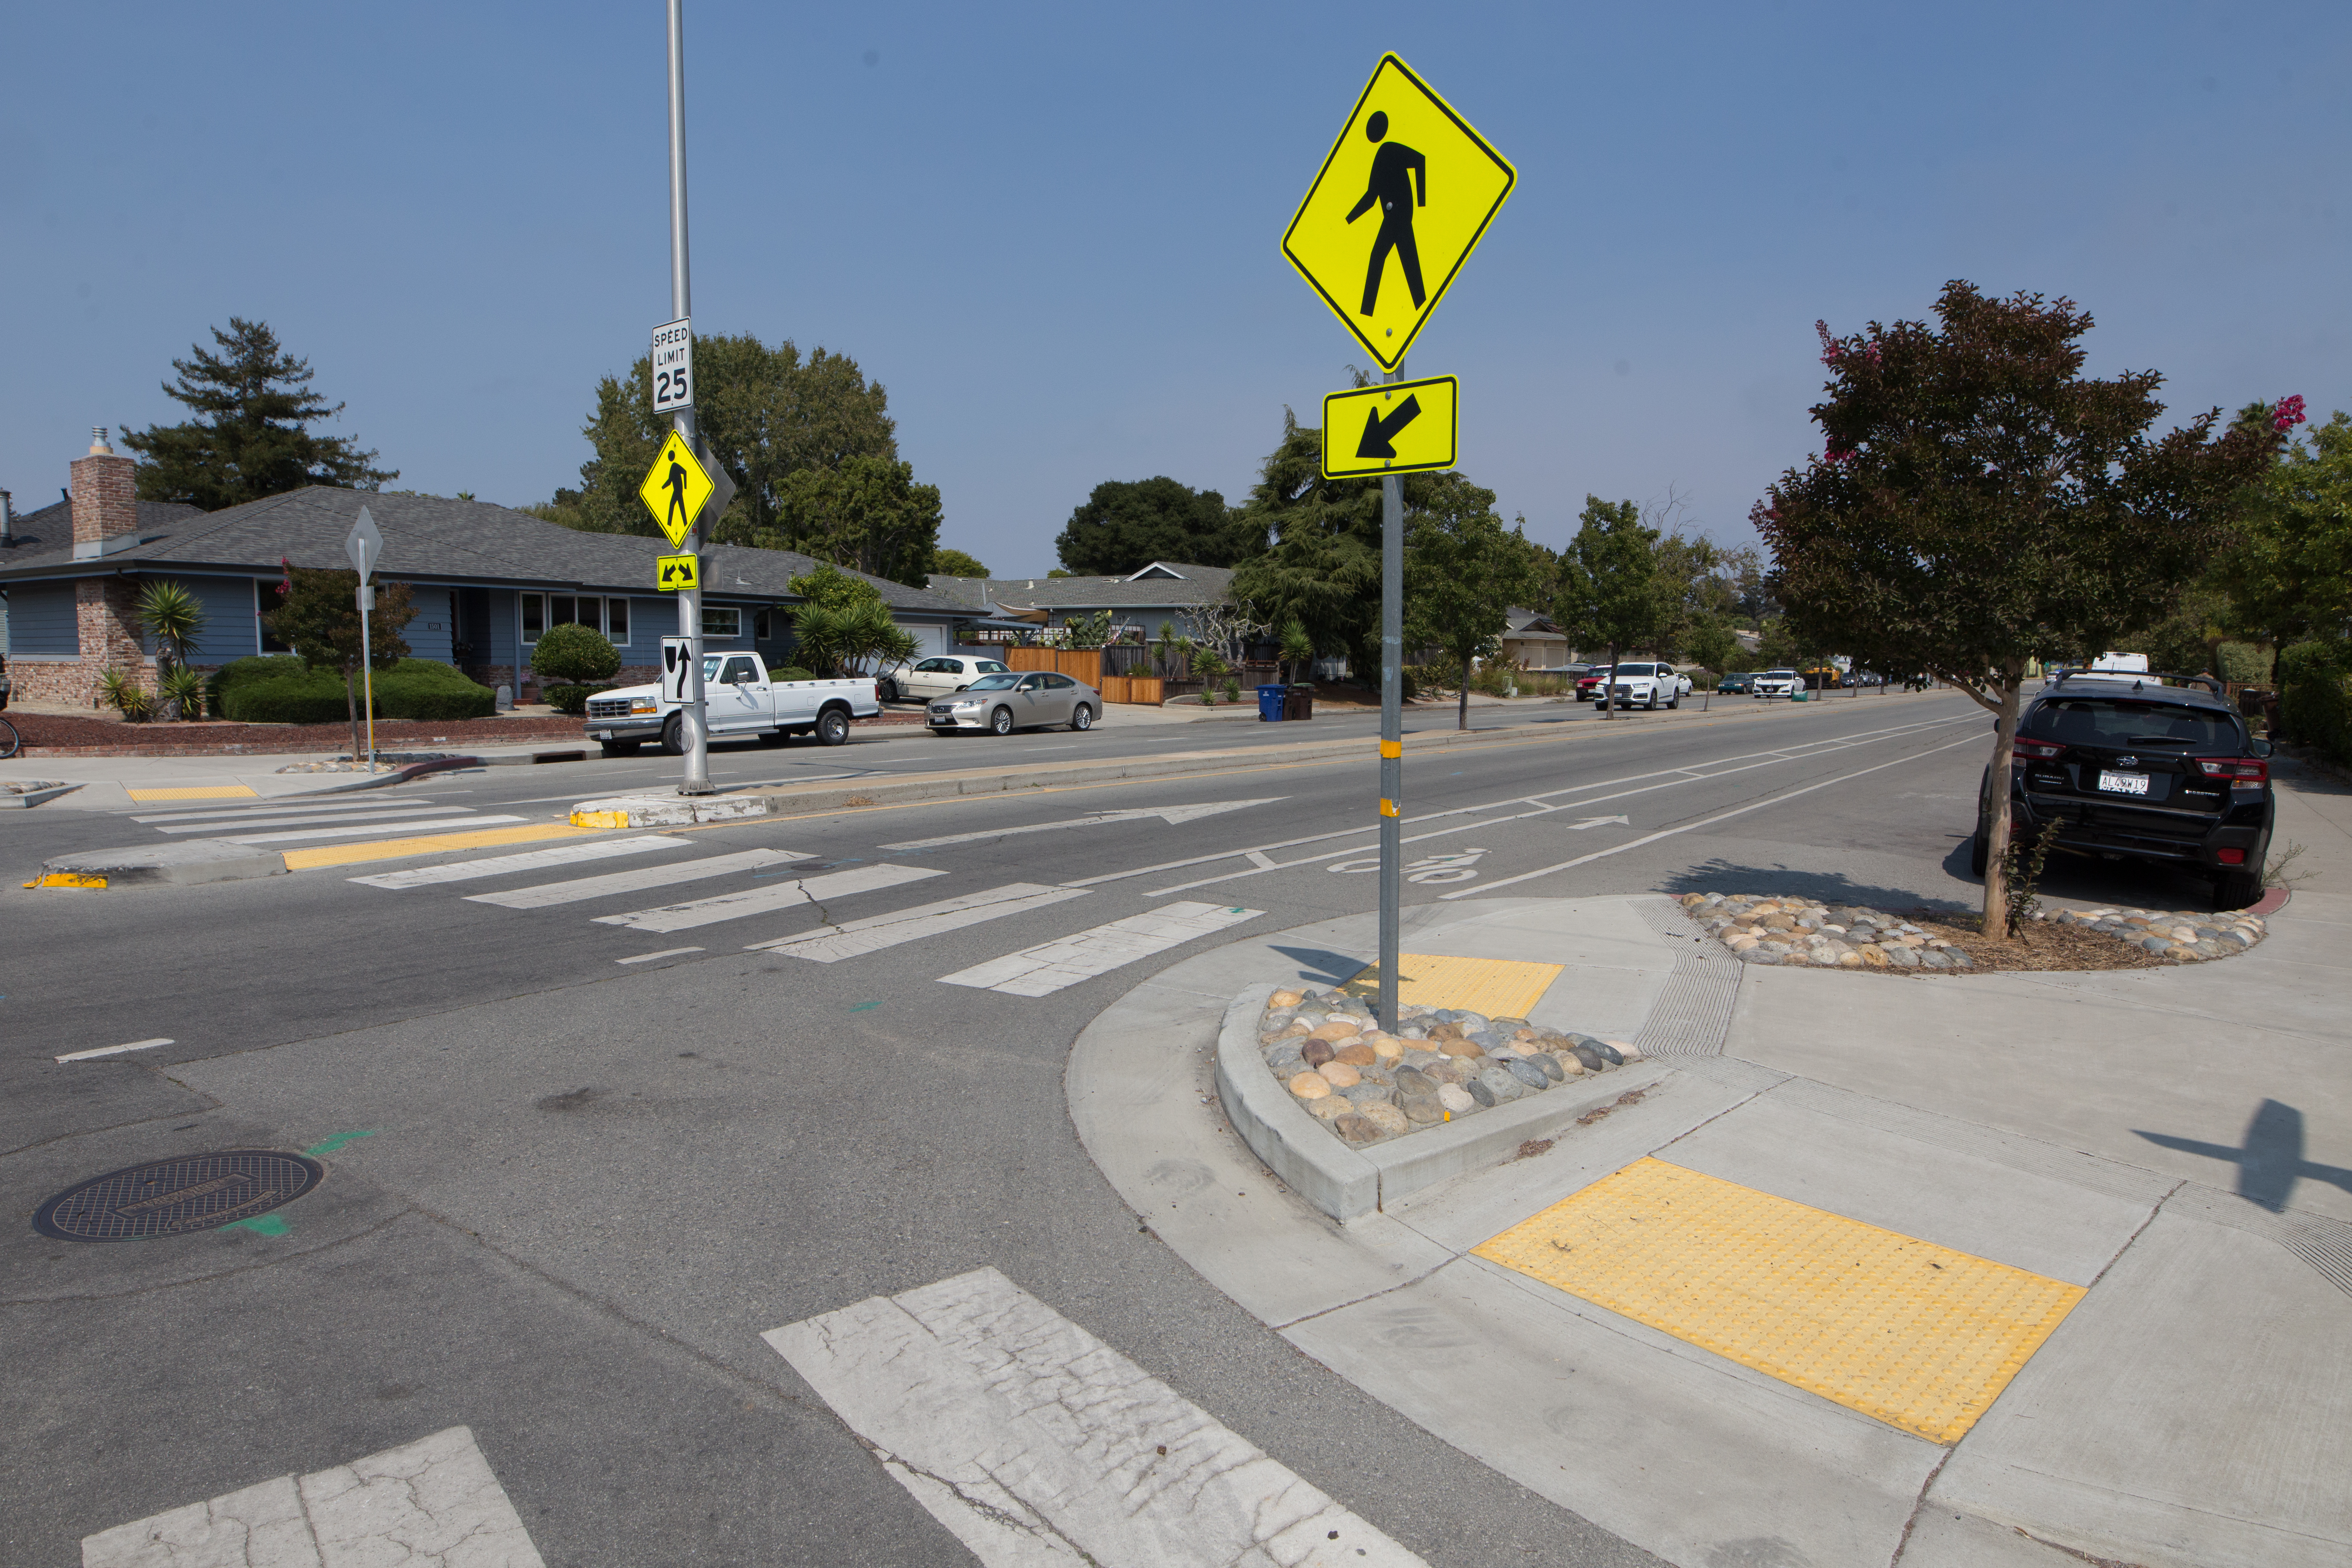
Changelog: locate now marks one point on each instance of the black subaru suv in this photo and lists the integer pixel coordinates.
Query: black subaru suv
(2133, 769)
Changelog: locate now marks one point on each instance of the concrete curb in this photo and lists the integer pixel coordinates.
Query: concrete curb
(1346, 1183)
(33, 797)
(203, 860)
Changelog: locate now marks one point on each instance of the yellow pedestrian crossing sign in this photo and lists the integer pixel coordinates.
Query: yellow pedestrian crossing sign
(1397, 208)
(675, 487)
(1391, 428)
(673, 573)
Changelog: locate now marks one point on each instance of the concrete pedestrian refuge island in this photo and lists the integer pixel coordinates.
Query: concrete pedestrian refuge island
(1865, 1273)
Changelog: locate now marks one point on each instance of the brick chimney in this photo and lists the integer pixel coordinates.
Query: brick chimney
(105, 500)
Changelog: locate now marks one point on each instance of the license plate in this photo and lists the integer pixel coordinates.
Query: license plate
(602, 735)
(2123, 784)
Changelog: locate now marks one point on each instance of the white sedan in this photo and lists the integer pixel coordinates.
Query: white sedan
(1777, 683)
(930, 677)
(1646, 685)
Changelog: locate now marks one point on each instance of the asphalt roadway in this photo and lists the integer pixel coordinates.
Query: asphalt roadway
(570, 1190)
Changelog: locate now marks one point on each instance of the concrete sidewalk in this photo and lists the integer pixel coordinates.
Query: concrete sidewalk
(2192, 1406)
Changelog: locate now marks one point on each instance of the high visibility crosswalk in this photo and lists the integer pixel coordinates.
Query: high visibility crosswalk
(822, 902)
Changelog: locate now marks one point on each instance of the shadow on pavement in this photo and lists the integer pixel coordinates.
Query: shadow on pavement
(1827, 887)
(2271, 1161)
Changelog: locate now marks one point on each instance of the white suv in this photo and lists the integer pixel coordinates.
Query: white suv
(930, 677)
(1646, 685)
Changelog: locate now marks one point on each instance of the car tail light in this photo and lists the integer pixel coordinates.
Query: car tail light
(2231, 857)
(2245, 770)
(2037, 750)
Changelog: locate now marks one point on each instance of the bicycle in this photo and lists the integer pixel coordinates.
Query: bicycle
(9, 744)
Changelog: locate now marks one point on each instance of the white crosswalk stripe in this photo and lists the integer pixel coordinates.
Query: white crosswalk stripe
(361, 830)
(291, 802)
(382, 814)
(799, 892)
(1048, 967)
(848, 938)
(530, 861)
(635, 881)
(1038, 1445)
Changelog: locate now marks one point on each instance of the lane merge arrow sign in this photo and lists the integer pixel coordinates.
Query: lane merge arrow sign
(1391, 428)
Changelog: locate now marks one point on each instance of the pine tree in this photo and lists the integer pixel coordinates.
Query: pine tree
(251, 436)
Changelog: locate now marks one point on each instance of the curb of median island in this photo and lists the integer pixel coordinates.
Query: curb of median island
(197, 861)
(682, 811)
(1348, 1183)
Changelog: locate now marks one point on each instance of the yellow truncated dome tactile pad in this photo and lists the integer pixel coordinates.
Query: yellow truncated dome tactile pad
(1919, 1336)
(1498, 987)
(196, 792)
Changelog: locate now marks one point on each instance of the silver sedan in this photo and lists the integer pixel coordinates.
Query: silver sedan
(1015, 700)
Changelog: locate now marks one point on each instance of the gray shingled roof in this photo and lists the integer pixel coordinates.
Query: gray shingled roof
(1199, 586)
(425, 539)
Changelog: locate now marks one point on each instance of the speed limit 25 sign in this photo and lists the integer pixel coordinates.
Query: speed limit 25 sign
(673, 366)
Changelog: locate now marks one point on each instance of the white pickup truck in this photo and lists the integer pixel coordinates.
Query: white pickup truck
(741, 700)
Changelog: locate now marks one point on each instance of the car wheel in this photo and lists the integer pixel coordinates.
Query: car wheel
(1082, 717)
(673, 736)
(2236, 889)
(1673, 703)
(1979, 853)
(622, 748)
(832, 728)
(1001, 721)
(886, 690)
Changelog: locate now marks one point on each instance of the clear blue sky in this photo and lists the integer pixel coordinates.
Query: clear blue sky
(1052, 231)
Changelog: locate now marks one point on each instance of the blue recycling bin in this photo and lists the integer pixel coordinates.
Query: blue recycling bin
(1270, 702)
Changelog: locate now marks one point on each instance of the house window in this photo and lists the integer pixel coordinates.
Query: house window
(534, 616)
(718, 622)
(759, 626)
(541, 611)
(265, 601)
(616, 621)
(562, 610)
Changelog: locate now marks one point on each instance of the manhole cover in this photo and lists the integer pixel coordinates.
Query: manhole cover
(168, 1197)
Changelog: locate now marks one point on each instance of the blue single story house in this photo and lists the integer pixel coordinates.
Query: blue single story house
(486, 580)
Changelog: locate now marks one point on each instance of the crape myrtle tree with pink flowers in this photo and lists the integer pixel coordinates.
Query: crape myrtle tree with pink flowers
(1979, 504)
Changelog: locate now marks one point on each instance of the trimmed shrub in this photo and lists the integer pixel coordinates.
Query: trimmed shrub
(791, 672)
(280, 691)
(573, 653)
(572, 699)
(317, 700)
(2315, 698)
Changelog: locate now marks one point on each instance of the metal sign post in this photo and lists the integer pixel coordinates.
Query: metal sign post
(694, 730)
(1391, 732)
(364, 545)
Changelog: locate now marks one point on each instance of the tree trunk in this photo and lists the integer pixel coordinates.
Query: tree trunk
(1997, 833)
(1462, 708)
(352, 705)
(1607, 698)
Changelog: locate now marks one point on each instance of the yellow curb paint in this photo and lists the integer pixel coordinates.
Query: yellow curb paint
(67, 879)
(196, 792)
(600, 819)
(429, 844)
(1915, 1336)
(1498, 988)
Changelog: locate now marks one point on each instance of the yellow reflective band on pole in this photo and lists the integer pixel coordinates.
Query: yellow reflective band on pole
(1388, 809)
(1393, 748)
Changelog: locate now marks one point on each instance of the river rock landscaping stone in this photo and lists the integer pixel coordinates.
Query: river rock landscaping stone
(1368, 1086)
(1768, 930)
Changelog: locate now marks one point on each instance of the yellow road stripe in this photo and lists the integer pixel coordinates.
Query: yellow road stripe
(428, 843)
(196, 792)
(1498, 988)
(1915, 1336)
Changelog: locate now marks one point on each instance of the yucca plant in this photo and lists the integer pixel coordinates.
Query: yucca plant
(123, 693)
(183, 690)
(174, 616)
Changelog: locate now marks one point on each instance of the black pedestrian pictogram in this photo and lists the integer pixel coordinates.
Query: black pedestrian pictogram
(678, 513)
(1399, 183)
(1379, 434)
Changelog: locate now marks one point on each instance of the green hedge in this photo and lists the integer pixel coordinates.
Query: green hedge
(572, 699)
(277, 689)
(2315, 698)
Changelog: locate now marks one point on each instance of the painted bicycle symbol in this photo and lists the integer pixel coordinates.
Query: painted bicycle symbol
(1456, 868)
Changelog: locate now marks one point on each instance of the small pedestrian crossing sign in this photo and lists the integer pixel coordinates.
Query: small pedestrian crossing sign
(1397, 208)
(676, 572)
(675, 489)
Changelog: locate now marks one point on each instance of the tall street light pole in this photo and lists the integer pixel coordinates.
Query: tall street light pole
(696, 732)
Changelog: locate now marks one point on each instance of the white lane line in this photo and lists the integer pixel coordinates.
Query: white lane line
(851, 938)
(1038, 1445)
(272, 807)
(1720, 763)
(799, 892)
(635, 881)
(433, 1503)
(1049, 966)
(1171, 815)
(111, 1050)
(532, 860)
(396, 826)
(1703, 822)
(387, 813)
(665, 952)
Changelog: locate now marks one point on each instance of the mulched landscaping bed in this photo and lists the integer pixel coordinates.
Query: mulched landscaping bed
(2040, 944)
